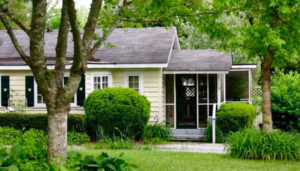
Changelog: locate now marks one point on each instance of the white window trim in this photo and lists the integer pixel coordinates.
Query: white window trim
(36, 104)
(141, 80)
(100, 74)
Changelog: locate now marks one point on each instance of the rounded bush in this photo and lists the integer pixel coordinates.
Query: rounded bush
(116, 112)
(232, 117)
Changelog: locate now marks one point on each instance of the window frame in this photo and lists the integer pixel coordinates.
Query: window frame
(101, 74)
(136, 73)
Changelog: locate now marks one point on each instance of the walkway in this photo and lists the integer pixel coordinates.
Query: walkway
(193, 147)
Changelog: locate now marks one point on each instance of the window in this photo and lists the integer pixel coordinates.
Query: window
(134, 80)
(101, 80)
(134, 83)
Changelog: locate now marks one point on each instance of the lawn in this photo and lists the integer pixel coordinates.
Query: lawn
(163, 161)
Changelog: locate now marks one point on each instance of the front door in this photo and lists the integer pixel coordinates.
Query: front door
(186, 101)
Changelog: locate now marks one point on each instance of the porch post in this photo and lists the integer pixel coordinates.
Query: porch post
(175, 104)
(250, 86)
(214, 124)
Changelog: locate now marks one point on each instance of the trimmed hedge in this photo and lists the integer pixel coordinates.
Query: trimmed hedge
(232, 117)
(119, 112)
(10, 136)
(76, 122)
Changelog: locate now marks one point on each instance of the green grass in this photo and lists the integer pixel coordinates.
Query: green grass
(158, 160)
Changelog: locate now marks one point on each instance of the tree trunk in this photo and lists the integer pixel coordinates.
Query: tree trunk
(57, 134)
(266, 94)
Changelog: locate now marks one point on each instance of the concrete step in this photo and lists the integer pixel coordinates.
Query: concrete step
(188, 134)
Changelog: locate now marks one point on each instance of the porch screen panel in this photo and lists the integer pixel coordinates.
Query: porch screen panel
(202, 88)
(170, 112)
(213, 92)
(237, 86)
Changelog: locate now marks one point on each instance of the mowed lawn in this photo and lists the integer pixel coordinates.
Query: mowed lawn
(163, 161)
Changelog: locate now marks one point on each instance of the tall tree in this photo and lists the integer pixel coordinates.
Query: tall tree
(50, 82)
(270, 31)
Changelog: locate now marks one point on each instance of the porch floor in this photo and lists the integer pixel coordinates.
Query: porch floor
(188, 134)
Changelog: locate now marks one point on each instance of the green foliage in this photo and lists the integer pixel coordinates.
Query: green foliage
(27, 154)
(232, 117)
(102, 162)
(285, 97)
(30, 153)
(115, 143)
(219, 135)
(76, 122)
(118, 111)
(8, 136)
(261, 30)
(156, 133)
(254, 144)
(76, 138)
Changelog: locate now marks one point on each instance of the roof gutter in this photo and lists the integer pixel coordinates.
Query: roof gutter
(91, 66)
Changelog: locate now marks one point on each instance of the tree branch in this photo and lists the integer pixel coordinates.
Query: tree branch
(77, 58)
(61, 46)
(110, 29)
(13, 38)
(90, 26)
(5, 10)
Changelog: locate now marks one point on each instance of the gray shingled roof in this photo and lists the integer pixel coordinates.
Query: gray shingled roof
(132, 46)
(199, 60)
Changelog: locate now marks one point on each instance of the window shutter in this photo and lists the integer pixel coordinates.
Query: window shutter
(4, 90)
(29, 86)
(81, 92)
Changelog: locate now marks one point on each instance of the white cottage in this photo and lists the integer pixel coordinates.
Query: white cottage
(182, 85)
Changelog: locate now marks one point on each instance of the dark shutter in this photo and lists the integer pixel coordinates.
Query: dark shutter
(29, 90)
(4, 90)
(81, 92)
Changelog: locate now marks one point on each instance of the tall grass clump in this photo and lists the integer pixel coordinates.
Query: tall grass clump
(254, 144)
(156, 133)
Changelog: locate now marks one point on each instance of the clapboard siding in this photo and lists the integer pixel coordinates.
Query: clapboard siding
(152, 88)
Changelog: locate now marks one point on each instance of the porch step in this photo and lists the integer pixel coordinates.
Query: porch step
(188, 134)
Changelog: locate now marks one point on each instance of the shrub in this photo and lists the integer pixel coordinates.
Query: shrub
(232, 117)
(101, 162)
(219, 135)
(8, 136)
(118, 111)
(76, 122)
(254, 144)
(156, 133)
(285, 97)
(76, 138)
(29, 153)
